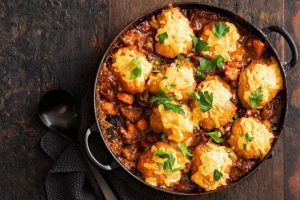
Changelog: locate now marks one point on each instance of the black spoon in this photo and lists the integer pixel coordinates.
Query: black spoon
(58, 111)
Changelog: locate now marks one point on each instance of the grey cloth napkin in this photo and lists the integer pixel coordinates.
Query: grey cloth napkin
(70, 177)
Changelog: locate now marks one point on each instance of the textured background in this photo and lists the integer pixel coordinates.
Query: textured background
(46, 44)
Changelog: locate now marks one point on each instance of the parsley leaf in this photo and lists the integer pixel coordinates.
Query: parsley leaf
(256, 97)
(179, 57)
(200, 75)
(199, 45)
(169, 163)
(163, 137)
(216, 136)
(162, 37)
(156, 71)
(137, 71)
(170, 86)
(220, 29)
(185, 150)
(217, 174)
(162, 98)
(205, 100)
(219, 61)
(174, 107)
(164, 77)
(249, 138)
(234, 117)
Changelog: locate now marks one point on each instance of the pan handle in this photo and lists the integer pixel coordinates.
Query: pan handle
(109, 167)
(289, 40)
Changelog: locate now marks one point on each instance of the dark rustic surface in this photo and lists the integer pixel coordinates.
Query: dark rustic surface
(45, 44)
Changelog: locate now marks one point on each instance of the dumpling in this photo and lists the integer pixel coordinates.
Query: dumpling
(211, 165)
(178, 127)
(179, 80)
(222, 108)
(173, 35)
(227, 46)
(151, 165)
(131, 69)
(251, 138)
(259, 83)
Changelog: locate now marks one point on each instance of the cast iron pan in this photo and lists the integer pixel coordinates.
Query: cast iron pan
(261, 33)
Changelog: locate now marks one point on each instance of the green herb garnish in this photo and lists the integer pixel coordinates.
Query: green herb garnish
(179, 57)
(205, 100)
(274, 128)
(249, 138)
(185, 150)
(217, 174)
(156, 71)
(200, 75)
(170, 86)
(199, 45)
(208, 65)
(137, 71)
(169, 163)
(162, 98)
(163, 137)
(216, 136)
(236, 116)
(164, 77)
(162, 37)
(220, 29)
(256, 97)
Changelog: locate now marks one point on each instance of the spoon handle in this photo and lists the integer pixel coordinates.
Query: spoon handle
(106, 190)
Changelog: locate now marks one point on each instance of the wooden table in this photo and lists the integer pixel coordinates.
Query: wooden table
(45, 44)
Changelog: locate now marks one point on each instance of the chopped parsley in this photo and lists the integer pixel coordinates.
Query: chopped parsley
(220, 29)
(208, 65)
(162, 98)
(170, 86)
(156, 71)
(137, 71)
(249, 139)
(162, 37)
(199, 45)
(204, 100)
(163, 137)
(185, 150)
(168, 165)
(236, 116)
(164, 77)
(217, 174)
(216, 136)
(179, 57)
(274, 128)
(200, 75)
(256, 97)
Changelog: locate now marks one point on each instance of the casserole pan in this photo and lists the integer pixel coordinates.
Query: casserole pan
(261, 33)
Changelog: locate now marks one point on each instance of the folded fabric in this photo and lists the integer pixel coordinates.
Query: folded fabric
(70, 177)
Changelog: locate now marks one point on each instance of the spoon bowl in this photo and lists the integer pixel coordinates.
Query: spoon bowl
(58, 111)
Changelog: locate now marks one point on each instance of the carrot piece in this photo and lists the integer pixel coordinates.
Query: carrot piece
(258, 47)
(125, 98)
(109, 108)
(142, 124)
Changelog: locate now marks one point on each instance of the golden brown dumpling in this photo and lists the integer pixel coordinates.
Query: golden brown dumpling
(211, 165)
(222, 108)
(179, 80)
(251, 138)
(175, 25)
(126, 60)
(178, 127)
(261, 75)
(151, 166)
(227, 46)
